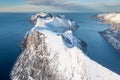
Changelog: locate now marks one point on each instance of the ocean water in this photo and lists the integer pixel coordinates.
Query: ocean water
(13, 27)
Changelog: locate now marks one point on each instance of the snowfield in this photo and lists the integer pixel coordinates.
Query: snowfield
(52, 52)
(113, 18)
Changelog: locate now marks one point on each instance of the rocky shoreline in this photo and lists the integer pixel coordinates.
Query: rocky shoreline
(112, 35)
(108, 36)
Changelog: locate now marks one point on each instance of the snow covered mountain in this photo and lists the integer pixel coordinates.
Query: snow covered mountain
(52, 52)
(112, 35)
(112, 18)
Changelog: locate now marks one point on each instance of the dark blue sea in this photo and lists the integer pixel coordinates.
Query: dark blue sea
(13, 27)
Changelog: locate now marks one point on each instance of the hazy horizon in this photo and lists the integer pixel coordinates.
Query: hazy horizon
(59, 6)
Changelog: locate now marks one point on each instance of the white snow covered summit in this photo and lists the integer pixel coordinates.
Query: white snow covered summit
(112, 18)
(52, 52)
(58, 24)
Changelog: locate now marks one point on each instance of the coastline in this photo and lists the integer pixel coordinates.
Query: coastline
(42, 58)
(111, 39)
(111, 34)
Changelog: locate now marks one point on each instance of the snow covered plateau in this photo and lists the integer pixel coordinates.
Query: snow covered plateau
(112, 35)
(50, 51)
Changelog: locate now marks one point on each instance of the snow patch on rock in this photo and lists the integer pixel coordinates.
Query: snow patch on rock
(110, 17)
(112, 35)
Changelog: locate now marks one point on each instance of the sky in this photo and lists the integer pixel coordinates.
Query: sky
(59, 5)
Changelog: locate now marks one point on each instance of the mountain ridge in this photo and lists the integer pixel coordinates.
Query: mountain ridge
(55, 54)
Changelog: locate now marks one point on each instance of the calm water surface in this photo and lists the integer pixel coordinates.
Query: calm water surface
(98, 48)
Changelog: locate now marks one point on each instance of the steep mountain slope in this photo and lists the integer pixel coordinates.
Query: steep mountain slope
(112, 35)
(52, 52)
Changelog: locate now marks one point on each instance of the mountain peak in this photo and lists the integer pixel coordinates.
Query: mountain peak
(50, 53)
(52, 22)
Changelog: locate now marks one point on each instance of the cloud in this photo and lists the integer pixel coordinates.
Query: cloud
(108, 7)
(69, 6)
(45, 2)
(31, 8)
(17, 8)
(64, 6)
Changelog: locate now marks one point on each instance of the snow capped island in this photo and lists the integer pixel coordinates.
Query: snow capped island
(112, 18)
(52, 52)
(112, 35)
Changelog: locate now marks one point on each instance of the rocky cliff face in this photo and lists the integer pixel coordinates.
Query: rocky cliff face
(41, 61)
(56, 55)
(112, 35)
